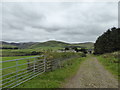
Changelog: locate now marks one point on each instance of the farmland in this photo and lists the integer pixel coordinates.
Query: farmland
(20, 52)
(57, 67)
(28, 49)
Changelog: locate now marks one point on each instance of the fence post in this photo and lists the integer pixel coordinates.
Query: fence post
(34, 66)
(44, 63)
(52, 64)
(60, 62)
(28, 65)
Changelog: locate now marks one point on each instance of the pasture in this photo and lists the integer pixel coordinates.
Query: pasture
(13, 67)
(19, 52)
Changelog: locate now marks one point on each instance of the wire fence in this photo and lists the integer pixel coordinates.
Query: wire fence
(18, 71)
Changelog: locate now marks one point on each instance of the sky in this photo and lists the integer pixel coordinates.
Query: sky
(71, 22)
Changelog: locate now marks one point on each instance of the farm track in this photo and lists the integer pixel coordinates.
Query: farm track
(92, 74)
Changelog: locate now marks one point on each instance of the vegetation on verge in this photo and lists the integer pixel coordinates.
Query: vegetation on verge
(111, 62)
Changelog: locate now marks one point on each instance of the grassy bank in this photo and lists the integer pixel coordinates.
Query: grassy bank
(111, 62)
(56, 78)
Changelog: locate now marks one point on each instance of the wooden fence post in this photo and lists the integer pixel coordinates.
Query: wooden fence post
(44, 63)
(28, 65)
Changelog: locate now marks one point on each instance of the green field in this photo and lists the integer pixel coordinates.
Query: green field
(15, 57)
(7, 46)
(24, 52)
(18, 52)
(13, 63)
(19, 70)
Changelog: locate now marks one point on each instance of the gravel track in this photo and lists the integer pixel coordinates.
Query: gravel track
(92, 74)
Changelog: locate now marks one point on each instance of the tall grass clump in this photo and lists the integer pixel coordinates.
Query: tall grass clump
(53, 55)
(111, 62)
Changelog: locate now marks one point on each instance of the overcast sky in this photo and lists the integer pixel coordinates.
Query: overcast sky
(69, 22)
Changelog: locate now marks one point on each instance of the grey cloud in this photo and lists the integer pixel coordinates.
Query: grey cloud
(73, 33)
(71, 22)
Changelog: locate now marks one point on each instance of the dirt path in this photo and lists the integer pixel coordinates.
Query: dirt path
(92, 75)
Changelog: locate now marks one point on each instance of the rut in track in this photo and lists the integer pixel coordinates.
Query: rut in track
(92, 74)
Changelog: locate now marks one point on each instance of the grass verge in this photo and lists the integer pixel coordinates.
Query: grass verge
(56, 78)
(111, 63)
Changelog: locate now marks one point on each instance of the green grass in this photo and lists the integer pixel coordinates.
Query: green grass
(17, 52)
(50, 44)
(54, 79)
(14, 57)
(108, 60)
(48, 47)
(13, 63)
(7, 46)
(88, 45)
(8, 64)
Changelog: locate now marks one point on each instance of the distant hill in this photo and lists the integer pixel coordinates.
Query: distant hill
(19, 45)
(7, 45)
(86, 44)
(47, 44)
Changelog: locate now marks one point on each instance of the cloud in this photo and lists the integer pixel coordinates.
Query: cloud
(68, 21)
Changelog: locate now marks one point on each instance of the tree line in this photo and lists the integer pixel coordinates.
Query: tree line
(9, 48)
(108, 42)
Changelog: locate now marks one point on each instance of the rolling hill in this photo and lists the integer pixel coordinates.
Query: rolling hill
(89, 45)
(7, 45)
(50, 44)
(47, 44)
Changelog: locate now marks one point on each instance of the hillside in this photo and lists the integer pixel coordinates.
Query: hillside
(19, 45)
(86, 44)
(7, 45)
(47, 44)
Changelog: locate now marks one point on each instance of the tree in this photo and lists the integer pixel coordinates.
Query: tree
(66, 48)
(108, 41)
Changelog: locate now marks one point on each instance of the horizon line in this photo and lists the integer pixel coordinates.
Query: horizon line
(46, 41)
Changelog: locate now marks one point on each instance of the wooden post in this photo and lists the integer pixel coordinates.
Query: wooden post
(44, 63)
(28, 66)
